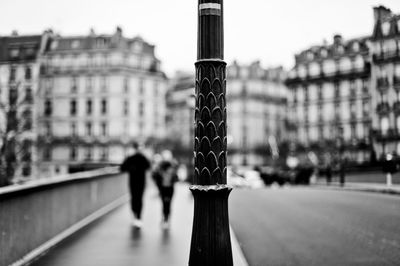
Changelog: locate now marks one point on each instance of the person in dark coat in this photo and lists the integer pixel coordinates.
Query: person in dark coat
(136, 165)
(165, 176)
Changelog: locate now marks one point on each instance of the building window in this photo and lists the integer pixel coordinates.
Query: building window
(74, 84)
(321, 132)
(89, 83)
(294, 95)
(48, 108)
(89, 153)
(103, 106)
(337, 90)
(126, 85)
(13, 73)
(89, 129)
(320, 113)
(141, 109)
(28, 95)
(73, 109)
(73, 153)
(48, 84)
(47, 129)
(352, 88)
(337, 110)
(366, 130)
(46, 153)
(353, 110)
(353, 131)
(320, 96)
(141, 86)
(27, 119)
(73, 130)
(104, 154)
(365, 86)
(103, 83)
(365, 107)
(28, 73)
(126, 107)
(305, 94)
(89, 107)
(104, 131)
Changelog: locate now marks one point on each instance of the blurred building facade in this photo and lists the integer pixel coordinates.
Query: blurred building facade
(329, 104)
(98, 93)
(347, 93)
(19, 86)
(256, 99)
(180, 114)
(385, 81)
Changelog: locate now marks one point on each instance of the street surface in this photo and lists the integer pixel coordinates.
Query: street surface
(308, 226)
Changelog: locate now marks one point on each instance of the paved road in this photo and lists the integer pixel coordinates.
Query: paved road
(305, 226)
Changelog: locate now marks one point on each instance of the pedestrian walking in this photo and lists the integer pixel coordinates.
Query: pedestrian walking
(328, 168)
(165, 176)
(136, 165)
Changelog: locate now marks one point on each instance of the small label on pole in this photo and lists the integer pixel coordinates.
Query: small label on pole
(210, 9)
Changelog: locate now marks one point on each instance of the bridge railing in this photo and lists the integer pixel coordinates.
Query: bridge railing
(37, 215)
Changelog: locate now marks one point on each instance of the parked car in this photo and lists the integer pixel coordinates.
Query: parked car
(253, 179)
(235, 179)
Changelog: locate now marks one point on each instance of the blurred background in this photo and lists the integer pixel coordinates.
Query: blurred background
(313, 107)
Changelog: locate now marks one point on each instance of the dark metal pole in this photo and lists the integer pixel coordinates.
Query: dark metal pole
(210, 243)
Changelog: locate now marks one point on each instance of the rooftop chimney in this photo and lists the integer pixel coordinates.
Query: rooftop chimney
(337, 39)
(381, 13)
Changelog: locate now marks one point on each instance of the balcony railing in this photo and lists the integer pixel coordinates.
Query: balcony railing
(351, 74)
(387, 56)
(382, 84)
(390, 134)
(383, 108)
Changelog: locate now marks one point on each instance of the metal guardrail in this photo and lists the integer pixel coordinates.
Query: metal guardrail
(34, 213)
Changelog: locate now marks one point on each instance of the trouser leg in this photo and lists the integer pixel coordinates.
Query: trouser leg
(137, 199)
(166, 196)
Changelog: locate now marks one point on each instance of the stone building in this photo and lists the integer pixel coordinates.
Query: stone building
(256, 100)
(98, 93)
(329, 104)
(385, 81)
(19, 86)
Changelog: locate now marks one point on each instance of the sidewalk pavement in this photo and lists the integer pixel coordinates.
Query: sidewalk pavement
(112, 240)
(367, 187)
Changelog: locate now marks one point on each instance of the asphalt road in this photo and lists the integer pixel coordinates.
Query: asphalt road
(306, 226)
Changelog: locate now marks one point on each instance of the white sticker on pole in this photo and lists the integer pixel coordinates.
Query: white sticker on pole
(210, 9)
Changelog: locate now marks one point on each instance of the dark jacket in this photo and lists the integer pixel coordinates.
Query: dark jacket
(136, 165)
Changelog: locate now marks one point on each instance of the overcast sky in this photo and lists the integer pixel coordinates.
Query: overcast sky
(269, 30)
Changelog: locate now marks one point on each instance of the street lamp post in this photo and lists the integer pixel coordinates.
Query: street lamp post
(210, 244)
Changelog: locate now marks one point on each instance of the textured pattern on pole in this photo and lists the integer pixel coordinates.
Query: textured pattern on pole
(210, 123)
